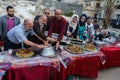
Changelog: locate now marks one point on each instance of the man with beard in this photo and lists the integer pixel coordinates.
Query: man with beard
(8, 21)
(17, 37)
(47, 13)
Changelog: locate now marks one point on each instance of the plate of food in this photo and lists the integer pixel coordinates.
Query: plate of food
(90, 47)
(23, 53)
(74, 49)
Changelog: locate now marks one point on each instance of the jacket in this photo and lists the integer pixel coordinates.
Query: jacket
(3, 25)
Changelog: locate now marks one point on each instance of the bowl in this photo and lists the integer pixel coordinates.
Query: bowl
(100, 43)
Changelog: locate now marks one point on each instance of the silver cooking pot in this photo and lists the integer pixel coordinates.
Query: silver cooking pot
(48, 51)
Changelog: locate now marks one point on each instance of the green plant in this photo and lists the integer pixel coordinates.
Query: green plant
(68, 14)
(108, 11)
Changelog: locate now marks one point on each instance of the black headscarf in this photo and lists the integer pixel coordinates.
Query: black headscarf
(82, 23)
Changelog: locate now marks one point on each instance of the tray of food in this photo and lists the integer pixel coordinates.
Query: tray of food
(90, 47)
(76, 41)
(24, 53)
(74, 49)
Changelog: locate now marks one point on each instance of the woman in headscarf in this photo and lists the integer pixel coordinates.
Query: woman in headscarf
(81, 29)
(71, 25)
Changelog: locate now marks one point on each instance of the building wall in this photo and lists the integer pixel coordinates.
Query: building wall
(48, 3)
(69, 0)
(65, 7)
(117, 2)
(72, 1)
(92, 8)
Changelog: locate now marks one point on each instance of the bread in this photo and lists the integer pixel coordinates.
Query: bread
(24, 53)
(90, 47)
(74, 49)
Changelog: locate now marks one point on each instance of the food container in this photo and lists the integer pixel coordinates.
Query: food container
(65, 40)
(110, 40)
(100, 43)
(48, 51)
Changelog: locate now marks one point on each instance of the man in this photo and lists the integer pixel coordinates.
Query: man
(47, 13)
(57, 25)
(17, 36)
(38, 28)
(8, 21)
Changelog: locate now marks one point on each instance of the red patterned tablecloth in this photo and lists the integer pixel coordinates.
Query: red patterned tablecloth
(87, 64)
(83, 65)
(112, 55)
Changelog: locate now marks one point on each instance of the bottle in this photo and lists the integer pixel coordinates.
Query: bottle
(10, 51)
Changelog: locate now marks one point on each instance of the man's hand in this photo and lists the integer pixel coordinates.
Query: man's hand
(57, 45)
(51, 39)
(41, 46)
(46, 43)
(27, 42)
(69, 34)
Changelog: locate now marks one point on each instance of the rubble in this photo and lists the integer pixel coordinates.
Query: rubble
(23, 8)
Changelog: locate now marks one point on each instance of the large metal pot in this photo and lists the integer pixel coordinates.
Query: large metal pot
(48, 51)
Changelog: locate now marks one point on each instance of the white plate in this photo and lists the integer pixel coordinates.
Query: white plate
(100, 42)
(118, 44)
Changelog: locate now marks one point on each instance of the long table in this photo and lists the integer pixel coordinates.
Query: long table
(87, 64)
(112, 55)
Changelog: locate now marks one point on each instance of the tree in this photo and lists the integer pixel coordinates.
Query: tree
(108, 11)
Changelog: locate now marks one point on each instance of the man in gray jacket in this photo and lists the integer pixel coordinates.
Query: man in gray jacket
(8, 21)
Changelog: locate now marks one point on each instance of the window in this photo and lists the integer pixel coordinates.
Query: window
(59, 0)
(118, 1)
(89, 4)
(86, 4)
(95, 16)
(97, 5)
(118, 7)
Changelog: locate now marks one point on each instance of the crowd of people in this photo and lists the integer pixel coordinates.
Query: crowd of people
(31, 33)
